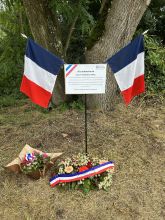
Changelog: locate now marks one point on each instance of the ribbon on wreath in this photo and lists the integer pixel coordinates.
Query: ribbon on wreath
(66, 178)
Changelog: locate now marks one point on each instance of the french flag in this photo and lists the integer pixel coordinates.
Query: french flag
(40, 71)
(128, 68)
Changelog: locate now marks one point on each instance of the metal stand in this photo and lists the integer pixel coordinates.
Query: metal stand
(86, 145)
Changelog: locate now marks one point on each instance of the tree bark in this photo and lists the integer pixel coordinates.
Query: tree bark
(121, 23)
(46, 31)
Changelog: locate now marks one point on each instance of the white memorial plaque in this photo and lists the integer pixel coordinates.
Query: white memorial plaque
(85, 78)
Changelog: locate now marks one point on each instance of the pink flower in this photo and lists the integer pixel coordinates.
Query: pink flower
(45, 155)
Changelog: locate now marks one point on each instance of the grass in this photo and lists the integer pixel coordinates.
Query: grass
(7, 101)
(133, 137)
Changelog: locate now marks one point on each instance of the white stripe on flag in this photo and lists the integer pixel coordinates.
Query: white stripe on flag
(38, 75)
(126, 76)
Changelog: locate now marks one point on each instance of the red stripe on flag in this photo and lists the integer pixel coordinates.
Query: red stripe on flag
(137, 88)
(71, 69)
(37, 94)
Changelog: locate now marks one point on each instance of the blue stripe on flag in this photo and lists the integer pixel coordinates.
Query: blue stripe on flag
(43, 58)
(127, 54)
(68, 67)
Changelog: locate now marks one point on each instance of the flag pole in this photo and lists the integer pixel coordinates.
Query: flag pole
(86, 144)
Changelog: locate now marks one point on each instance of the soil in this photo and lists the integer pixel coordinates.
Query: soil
(134, 137)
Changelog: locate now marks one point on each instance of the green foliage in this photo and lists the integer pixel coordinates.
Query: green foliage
(12, 46)
(154, 19)
(11, 64)
(99, 26)
(76, 104)
(63, 107)
(67, 10)
(11, 100)
(87, 30)
(155, 65)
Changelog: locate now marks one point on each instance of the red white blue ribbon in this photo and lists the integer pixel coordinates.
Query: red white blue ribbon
(70, 68)
(65, 178)
(29, 156)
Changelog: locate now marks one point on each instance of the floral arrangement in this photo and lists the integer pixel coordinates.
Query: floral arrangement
(32, 162)
(35, 161)
(84, 172)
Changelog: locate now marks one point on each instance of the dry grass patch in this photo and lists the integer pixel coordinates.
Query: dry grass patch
(126, 135)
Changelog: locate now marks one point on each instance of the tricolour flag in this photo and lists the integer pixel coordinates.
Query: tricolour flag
(128, 68)
(40, 71)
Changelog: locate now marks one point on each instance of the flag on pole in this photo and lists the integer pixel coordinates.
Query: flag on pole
(128, 68)
(40, 71)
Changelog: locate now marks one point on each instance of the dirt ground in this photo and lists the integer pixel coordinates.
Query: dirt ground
(134, 137)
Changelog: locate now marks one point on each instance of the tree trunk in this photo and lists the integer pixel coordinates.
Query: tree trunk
(121, 23)
(46, 31)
